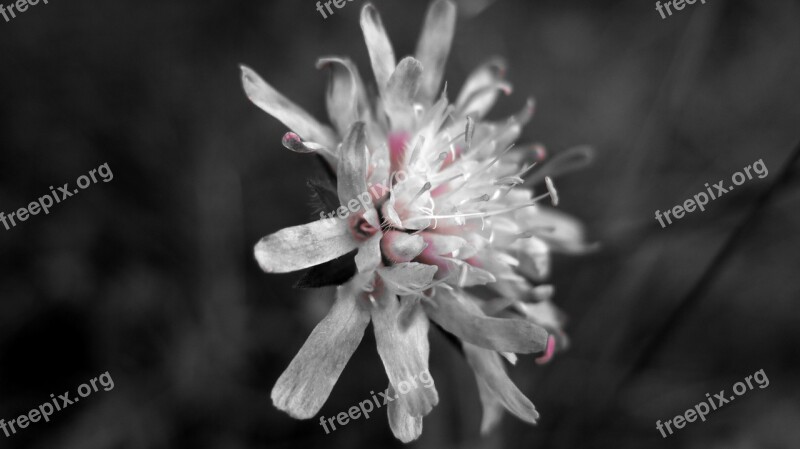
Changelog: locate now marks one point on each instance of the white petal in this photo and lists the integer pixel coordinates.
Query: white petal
(352, 169)
(489, 368)
(409, 204)
(400, 92)
(534, 258)
(562, 232)
(346, 99)
(544, 313)
(307, 382)
(380, 48)
(304, 246)
(510, 356)
(390, 212)
(470, 276)
(405, 427)
(434, 46)
(492, 408)
(443, 244)
(407, 277)
(369, 254)
(404, 353)
(278, 106)
(402, 247)
(464, 319)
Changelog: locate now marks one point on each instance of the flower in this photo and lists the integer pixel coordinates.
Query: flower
(444, 226)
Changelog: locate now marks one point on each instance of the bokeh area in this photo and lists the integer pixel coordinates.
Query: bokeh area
(151, 276)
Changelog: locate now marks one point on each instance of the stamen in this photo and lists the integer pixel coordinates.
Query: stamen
(479, 199)
(494, 161)
(508, 181)
(530, 232)
(552, 190)
(469, 132)
(568, 161)
(450, 142)
(470, 176)
(482, 214)
(526, 170)
(511, 124)
(439, 161)
(462, 278)
(424, 189)
(413, 159)
(452, 178)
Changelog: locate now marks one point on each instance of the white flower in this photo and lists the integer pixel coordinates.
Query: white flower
(448, 230)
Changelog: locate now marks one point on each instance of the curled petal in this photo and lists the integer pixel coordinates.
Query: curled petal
(288, 113)
(482, 88)
(295, 143)
(304, 246)
(307, 382)
(346, 99)
(548, 353)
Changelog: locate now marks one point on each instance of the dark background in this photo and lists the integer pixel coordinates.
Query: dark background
(151, 276)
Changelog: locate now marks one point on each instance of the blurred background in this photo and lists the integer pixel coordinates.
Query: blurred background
(151, 276)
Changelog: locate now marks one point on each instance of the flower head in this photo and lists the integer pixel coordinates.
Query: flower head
(437, 205)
